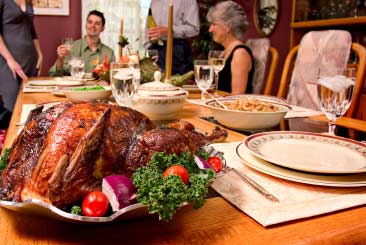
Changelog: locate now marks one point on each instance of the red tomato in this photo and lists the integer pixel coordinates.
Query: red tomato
(215, 163)
(95, 204)
(178, 170)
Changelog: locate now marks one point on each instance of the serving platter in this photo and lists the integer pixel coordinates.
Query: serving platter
(37, 207)
(310, 152)
(346, 180)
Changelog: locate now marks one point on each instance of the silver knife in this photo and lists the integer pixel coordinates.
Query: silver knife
(255, 185)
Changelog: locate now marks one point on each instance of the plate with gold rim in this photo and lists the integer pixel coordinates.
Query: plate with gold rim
(309, 152)
(344, 180)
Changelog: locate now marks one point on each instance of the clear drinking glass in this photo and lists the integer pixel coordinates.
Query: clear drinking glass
(335, 91)
(76, 67)
(216, 58)
(203, 73)
(123, 82)
(68, 42)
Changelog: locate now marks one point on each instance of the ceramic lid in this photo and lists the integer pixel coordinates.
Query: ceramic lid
(159, 89)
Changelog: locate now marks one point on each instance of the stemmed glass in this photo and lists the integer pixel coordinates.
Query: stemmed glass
(124, 82)
(216, 58)
(203, 73)
(335, 91)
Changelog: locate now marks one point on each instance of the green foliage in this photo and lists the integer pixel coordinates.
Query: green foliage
(4, 158)
(164, 196)
(76, 210)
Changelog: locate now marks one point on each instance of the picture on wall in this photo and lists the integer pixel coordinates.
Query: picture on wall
(51, 7)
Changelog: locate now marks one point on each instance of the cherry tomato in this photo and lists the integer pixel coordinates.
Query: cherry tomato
(178, 170)
(215, 163)
(95, 204)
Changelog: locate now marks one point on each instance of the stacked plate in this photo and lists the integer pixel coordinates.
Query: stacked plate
(304, 157)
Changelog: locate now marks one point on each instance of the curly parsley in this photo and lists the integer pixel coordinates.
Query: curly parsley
(165, 195)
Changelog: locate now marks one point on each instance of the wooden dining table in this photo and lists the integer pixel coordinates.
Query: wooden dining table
(217, 222)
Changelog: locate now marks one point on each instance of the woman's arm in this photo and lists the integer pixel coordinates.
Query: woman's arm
(15, 68)
(40, 56)
(241, 64)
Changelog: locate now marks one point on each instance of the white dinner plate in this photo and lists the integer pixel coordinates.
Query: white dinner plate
(57, 82)
(310, 152)
(347, 180)
(195, 88)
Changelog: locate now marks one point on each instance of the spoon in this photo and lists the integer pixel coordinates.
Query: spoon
(217, 101)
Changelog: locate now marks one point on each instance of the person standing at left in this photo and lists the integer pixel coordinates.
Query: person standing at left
(20, 53)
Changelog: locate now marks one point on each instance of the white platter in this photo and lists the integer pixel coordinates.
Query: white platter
(348, 180)
(310, 152)
(57, 82)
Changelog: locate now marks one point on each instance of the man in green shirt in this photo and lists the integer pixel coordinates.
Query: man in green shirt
(89, 48)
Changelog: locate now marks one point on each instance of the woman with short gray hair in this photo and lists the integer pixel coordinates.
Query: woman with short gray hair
(228, 24)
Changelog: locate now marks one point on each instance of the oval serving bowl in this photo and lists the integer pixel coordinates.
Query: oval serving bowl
(247, 120)
(159, 101)
(86, 95)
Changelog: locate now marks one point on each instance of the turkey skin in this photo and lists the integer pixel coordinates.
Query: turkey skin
(64, 152)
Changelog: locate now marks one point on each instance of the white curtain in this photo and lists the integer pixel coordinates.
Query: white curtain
(134, 14)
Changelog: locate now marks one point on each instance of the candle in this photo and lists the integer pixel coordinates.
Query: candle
(169, 48)
(120, 50)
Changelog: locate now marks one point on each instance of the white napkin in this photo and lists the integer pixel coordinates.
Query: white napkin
(296, 200)
(336, 83)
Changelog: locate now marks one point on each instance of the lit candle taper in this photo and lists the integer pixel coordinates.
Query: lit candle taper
(120, 50)
(169, 46)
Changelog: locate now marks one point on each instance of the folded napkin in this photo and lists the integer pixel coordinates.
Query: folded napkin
(296, 200)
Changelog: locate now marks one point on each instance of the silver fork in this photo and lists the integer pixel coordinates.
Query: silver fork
(212, 152)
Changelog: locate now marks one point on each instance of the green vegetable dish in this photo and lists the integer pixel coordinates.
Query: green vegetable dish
(165, 194)
(95, 88)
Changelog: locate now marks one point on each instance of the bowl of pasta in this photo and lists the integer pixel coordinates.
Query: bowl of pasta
(247, 112)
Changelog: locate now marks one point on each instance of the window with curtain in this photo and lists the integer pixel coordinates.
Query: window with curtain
(133, 13)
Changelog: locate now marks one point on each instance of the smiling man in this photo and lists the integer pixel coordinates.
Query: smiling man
(89, 48)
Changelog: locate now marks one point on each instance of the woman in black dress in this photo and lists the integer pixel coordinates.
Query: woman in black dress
(228, 26)
(20, 53)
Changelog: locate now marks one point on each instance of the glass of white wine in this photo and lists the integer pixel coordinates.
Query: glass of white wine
(203, 74)
(335, 91)
(216, 58)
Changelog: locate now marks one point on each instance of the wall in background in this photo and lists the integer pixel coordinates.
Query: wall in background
(51, 30)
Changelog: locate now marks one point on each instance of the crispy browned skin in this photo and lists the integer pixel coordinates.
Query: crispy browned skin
(64, 152)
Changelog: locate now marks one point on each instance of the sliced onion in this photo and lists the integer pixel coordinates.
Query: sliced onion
(201, 163)
(119, 191)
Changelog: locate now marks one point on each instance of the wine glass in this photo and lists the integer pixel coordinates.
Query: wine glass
(124, 83)
(203, 73)
(335, 91)
(216, 58)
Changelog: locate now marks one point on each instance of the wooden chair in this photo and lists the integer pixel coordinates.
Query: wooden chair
(290, 66)
(359, 51)
(261, 51)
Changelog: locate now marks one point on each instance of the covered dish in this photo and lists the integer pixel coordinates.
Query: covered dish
(159, 101)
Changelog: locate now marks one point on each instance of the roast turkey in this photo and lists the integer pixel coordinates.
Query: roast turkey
(64, 152)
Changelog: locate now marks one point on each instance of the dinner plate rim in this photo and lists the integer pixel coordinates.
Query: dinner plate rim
(298, 176)
(250, 138)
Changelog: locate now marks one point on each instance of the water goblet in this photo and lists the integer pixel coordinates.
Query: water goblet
(203, 73)
(216, 58)
(123, 81)
(76, 67)
(335, 91)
